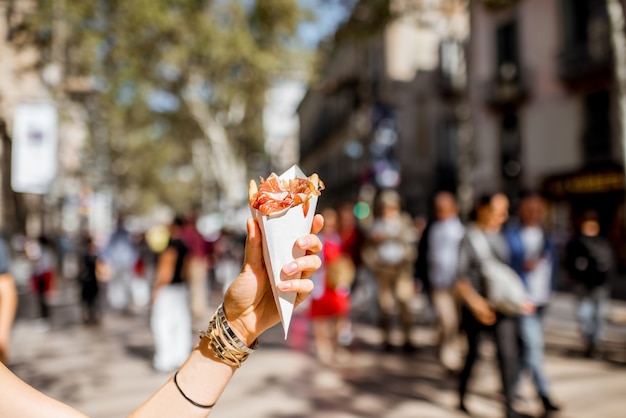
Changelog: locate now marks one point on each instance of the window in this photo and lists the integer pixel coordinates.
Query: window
(510, 147)
(448, 154)
(597, 133)
(507, 51)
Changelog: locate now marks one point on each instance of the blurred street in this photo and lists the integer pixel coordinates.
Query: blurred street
(105, 371)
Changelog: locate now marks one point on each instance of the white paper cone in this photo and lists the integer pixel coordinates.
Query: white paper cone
(280, 232)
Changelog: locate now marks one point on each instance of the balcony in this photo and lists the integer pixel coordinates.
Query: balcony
(586, 64)
(509, 88)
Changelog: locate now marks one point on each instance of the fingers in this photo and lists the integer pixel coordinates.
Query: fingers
(305, 266)
(318, 223)
(297, 285)
(254, 233)
(309, 243)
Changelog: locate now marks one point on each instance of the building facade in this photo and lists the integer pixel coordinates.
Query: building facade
(544, 107)
(383, 113)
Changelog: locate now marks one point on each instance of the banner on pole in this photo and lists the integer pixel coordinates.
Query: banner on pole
(34, 148)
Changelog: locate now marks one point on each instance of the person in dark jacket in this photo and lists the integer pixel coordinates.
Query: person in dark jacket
(591, 263)
(88, 280)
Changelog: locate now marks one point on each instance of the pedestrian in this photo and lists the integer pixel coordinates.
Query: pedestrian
(171, 315)
(390, 253)
(330, 301)
(198, 269)
(590, 263)
(8, 302)
(477, 315)
(444, 236)
(89, 283)
(120, 256)
(352, 238)
(43, 277)
(247, 311)
(534, 258)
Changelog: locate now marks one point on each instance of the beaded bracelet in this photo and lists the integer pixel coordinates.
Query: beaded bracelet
(224, 342)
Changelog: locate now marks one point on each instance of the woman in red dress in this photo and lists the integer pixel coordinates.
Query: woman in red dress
(330, 303)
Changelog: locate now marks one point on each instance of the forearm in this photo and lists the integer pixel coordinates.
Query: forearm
(18, 399)
(202, 378)
(467, 293)
(8, 304)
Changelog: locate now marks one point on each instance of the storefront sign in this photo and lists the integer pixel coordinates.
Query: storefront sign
(586, 183)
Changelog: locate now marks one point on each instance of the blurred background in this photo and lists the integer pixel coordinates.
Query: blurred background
(137, 110)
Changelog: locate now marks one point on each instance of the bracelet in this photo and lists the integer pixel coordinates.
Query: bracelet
(224, 342)
(188, 398)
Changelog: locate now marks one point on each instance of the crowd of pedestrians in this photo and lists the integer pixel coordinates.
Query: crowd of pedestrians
(444, 258)
(446, 261)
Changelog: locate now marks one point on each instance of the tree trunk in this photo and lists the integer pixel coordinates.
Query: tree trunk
(228, 167)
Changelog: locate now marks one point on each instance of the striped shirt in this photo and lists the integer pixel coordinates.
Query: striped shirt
(468, 262)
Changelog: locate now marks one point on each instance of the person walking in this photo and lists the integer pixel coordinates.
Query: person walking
(198, 269)
(43, 278)
(171, 315)
(8, 302)
(330, 300)
(120, 256)
(477, 314)
(444, 236)
(534, 258)
(390, 253)
(88, 280)
(590, 263)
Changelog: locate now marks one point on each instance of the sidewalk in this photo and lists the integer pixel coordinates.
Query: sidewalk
(105, 372)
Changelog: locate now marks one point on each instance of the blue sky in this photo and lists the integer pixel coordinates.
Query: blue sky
(329, 14)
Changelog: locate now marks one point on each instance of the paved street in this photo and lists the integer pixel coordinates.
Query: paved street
(105, 371)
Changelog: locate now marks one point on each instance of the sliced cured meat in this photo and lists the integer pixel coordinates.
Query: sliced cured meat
(275, 195)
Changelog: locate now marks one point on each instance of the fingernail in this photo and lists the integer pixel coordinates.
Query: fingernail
(284, 285)
(303, 241)
(291, 268)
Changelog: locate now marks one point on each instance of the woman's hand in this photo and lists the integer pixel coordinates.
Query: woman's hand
(483, 312)
(249, 304)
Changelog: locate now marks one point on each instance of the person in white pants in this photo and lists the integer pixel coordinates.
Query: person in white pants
(171, 313)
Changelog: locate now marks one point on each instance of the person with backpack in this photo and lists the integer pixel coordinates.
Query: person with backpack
(590, 263)
(480, 314)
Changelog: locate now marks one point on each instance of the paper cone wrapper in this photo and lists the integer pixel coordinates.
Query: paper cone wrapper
(280, 232)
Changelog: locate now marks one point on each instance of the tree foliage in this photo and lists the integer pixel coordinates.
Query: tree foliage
(154, 67)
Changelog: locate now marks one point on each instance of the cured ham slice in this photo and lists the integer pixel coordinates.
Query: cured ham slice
(275, 195)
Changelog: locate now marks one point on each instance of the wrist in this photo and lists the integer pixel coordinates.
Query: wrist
(225, 342)
(243, 332)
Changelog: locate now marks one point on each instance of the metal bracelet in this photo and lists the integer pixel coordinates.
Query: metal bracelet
(224, 342)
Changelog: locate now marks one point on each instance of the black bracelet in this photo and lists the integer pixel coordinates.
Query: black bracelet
(187, 397)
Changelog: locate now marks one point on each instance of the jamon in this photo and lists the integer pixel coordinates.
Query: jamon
(274, 195)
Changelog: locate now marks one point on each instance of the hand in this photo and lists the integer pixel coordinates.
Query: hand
(249, 303)
(527, 308)
(530, 265)
(483, 312)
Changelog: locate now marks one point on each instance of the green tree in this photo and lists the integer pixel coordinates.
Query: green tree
(170, 81)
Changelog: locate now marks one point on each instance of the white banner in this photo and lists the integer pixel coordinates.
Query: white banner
(34, 154)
